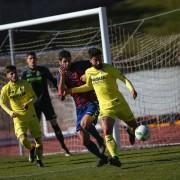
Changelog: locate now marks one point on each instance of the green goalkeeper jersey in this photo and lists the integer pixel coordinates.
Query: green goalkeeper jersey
(104, 83)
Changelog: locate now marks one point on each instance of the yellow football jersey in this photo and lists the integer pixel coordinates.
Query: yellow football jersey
(103, 81)
(16, 94)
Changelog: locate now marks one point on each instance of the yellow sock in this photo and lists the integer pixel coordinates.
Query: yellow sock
(24, 141)
(111, 145)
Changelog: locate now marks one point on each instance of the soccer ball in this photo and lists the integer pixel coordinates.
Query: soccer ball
(142, 133)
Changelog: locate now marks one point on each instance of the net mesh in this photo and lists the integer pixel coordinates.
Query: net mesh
(150, 61)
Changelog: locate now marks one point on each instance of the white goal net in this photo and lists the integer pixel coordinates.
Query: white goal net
(150, 61)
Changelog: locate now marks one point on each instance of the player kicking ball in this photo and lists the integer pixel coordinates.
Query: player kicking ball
(102, 78)
(20, 97)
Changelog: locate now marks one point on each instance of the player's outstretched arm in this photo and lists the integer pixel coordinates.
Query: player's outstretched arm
(134, 93)
(131, 88)
(85, 87)
(82, 89)
(119, 75)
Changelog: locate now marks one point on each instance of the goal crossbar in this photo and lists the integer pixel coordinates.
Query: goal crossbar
(50, 19)
(101, 12)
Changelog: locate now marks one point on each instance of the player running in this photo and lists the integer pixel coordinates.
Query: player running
(71, 75)
(20, 95)
(38, 76)
(102, 78)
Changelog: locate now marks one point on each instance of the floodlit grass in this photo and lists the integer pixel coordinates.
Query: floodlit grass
(147, 164)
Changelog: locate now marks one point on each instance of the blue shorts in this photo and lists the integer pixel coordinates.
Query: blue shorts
(91, 108)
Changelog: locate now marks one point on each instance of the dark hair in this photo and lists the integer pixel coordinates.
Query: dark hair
(10, 68)
(64, 54)
(32, 53)
(94, 52)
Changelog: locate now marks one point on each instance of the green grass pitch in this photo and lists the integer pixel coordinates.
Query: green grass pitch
(144, 164)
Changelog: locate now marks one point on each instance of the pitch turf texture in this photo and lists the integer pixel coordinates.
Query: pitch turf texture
(144, 164)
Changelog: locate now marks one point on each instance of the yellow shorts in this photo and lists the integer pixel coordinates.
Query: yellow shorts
(120, 110)
(30, 122)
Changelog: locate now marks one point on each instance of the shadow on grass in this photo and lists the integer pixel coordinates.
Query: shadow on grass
(148, 153)
(15, 166)
(136, 164)
(70, 161)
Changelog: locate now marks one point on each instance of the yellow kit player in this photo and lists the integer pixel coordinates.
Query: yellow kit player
(102, 78)
(17, 99)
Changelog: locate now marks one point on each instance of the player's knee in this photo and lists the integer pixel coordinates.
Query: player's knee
(86, 123)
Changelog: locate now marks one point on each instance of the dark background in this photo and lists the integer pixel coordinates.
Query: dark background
(19, 10)
(118, 11)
